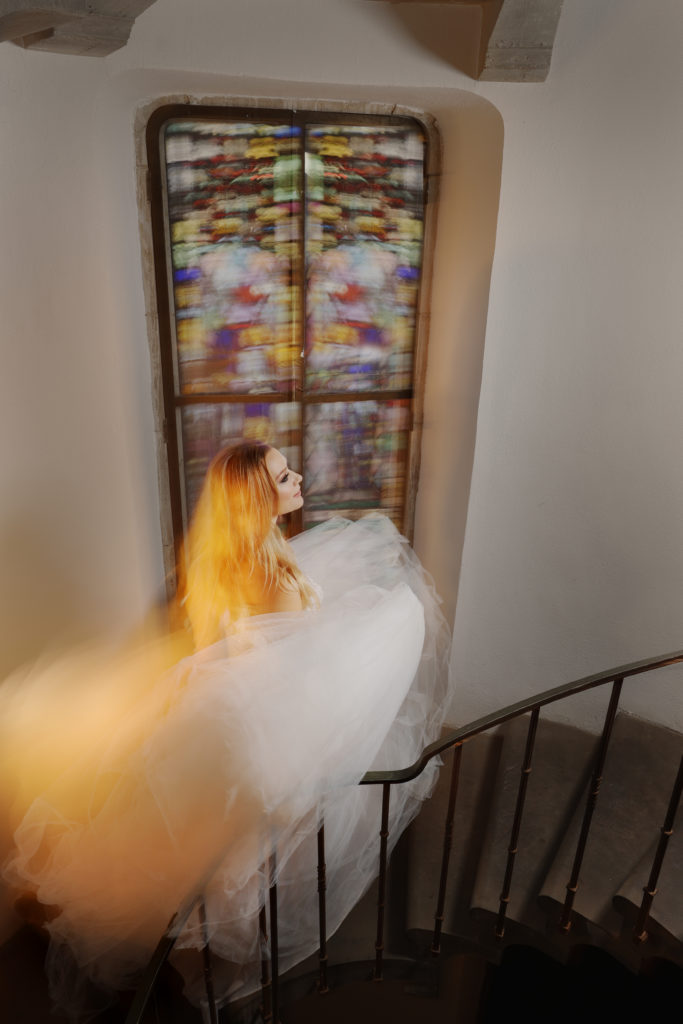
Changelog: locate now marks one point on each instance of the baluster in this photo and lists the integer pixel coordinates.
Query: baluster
(573, 883)
(208, 971)
(650, 890)
(322, 911)
(447, 844)
(137, 1008)
(266, 1004)
(525, 772)
(274, 951)
(382, 883)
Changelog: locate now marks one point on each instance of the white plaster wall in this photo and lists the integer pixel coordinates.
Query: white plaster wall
(573, 559)
(572, 556)
(69, 520)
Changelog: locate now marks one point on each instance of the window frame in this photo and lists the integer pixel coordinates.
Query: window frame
(159, 293)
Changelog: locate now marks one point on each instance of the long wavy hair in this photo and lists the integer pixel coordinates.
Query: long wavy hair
(234, 552)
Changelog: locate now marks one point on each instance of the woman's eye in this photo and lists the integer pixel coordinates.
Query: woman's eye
(285, 478)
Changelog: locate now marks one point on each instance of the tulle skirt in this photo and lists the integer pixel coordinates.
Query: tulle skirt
(141, 780)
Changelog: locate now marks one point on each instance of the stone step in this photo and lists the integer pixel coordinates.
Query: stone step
(424, 841)
(665, 926)
(641, 766)
(402, 1000)
(560, 767)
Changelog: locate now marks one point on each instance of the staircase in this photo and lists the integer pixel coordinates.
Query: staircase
(533, 853)
(598, 969)
(639, 773)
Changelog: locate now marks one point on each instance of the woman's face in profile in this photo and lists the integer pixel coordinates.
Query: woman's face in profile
(287, 482)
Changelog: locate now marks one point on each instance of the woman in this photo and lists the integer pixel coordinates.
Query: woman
(237, 563)
(313, 662)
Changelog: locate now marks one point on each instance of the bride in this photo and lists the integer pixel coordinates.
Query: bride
(164, 776)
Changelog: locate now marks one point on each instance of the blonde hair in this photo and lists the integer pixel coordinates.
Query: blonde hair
(234, 552)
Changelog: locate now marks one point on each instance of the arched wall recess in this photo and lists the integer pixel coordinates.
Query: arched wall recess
(291, 297)
(457, 274)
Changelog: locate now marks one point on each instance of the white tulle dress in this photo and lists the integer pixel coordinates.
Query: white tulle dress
(153, 778)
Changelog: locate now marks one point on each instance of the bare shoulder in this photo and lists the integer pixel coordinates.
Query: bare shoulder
(283, 598)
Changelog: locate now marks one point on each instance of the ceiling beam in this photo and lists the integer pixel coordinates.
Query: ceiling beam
(490, 40)
(520, 46)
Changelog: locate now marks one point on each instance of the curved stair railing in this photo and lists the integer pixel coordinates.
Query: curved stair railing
(455, 740)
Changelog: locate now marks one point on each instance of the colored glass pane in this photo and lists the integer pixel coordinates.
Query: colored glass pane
(355, 458)
(364, 226)
(207, 427)
(234, 196)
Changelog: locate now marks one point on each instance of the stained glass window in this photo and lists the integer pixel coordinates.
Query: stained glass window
(289, 253)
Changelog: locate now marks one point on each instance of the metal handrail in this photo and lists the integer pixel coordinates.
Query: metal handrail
(455, 738)
(522, 707)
